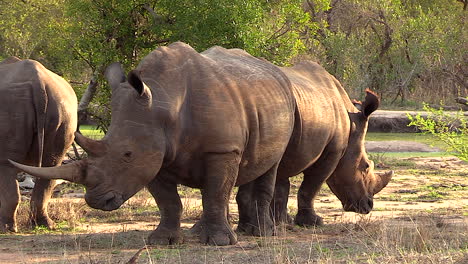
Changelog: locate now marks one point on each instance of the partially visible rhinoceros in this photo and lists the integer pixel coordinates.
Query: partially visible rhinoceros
(327, 144)
(207, 120)
(38, 116)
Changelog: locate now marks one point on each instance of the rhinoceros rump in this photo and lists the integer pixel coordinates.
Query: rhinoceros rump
(37, 120)
(207, 120)
(327, 144)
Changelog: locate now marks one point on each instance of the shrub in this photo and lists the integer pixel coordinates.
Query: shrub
(450, 128)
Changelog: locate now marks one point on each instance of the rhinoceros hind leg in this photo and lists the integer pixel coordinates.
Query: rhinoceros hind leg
(260, 222)
(244, 198)
(39, 202)
(42, 193)
(279, 205)
(9, 199)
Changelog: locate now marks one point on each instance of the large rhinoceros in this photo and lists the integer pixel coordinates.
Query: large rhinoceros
(327, 144)
(38, 116)
(207, 120)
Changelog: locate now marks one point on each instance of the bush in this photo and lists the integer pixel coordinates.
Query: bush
(450, 128)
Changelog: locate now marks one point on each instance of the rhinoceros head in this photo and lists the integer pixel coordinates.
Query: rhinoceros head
(354, 181)
(127, 158)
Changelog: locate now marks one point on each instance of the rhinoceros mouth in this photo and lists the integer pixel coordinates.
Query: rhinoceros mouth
(109, 201)
(363, 206)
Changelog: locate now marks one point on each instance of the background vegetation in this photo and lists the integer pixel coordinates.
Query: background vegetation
(409, 51)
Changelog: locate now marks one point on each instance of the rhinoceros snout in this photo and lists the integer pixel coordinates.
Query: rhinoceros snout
(107, 202)
(363, 206)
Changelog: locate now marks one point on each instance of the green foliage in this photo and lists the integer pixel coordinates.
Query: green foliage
(449, 128)
(399, 48)
(411, 49)
(117, 30)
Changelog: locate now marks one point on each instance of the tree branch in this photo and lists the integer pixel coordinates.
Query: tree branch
(156, 18)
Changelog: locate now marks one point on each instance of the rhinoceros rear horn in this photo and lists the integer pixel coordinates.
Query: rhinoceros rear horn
(115, 75)
(73, 172)
(382, 180)
(92, 147)
(371, 103)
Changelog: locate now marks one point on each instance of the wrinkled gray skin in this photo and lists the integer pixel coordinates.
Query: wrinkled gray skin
(38, 115)
(327, 145)
(208, 120)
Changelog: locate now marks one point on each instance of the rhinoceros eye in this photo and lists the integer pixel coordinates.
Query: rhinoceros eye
(127, 156)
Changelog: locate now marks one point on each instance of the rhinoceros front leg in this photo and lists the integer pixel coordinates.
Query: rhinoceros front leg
(314, 177)
(259, 217)
(168, 231)
(221, 175)
(9, 199)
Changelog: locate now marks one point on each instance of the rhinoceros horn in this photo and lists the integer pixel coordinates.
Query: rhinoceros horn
(382, 180)
(73, 172)
(92, 147)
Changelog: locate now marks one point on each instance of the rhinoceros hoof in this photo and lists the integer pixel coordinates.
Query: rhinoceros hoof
(308, 219)
(197, 228)
(218, 237)
(7, 227)
(242, 227)
(165, 236)
(43, 221)
(253, 230)
(283, 219)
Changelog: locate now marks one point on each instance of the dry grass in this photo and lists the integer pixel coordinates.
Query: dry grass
(402, 231)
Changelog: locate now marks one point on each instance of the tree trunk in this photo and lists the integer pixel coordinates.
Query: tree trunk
(87, 98)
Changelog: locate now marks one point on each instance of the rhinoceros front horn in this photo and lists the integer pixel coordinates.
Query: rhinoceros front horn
(382, 180)
(73, 172)
(92, 147)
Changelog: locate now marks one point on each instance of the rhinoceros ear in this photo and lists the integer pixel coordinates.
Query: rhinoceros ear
(370, 104)
(115, 75)
(357, 104)
(135, 81)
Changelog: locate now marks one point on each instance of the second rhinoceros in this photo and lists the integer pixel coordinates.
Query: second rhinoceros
(327, 144)
(38, 116)
(207, 120)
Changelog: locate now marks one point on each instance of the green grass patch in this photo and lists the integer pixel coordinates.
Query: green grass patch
(397, 155)
(416, 137)
(91, 131)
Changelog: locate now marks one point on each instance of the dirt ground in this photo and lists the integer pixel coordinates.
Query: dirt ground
(420, 217)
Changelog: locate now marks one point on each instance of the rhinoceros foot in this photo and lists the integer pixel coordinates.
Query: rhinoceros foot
(44, 221)
(308, 218)
(165, 236)
(197, 228)
(218, 235)
(283, 218)
(266, 229)
(7, 227)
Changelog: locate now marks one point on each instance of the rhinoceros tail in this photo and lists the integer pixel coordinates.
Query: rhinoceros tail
(40, 107)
